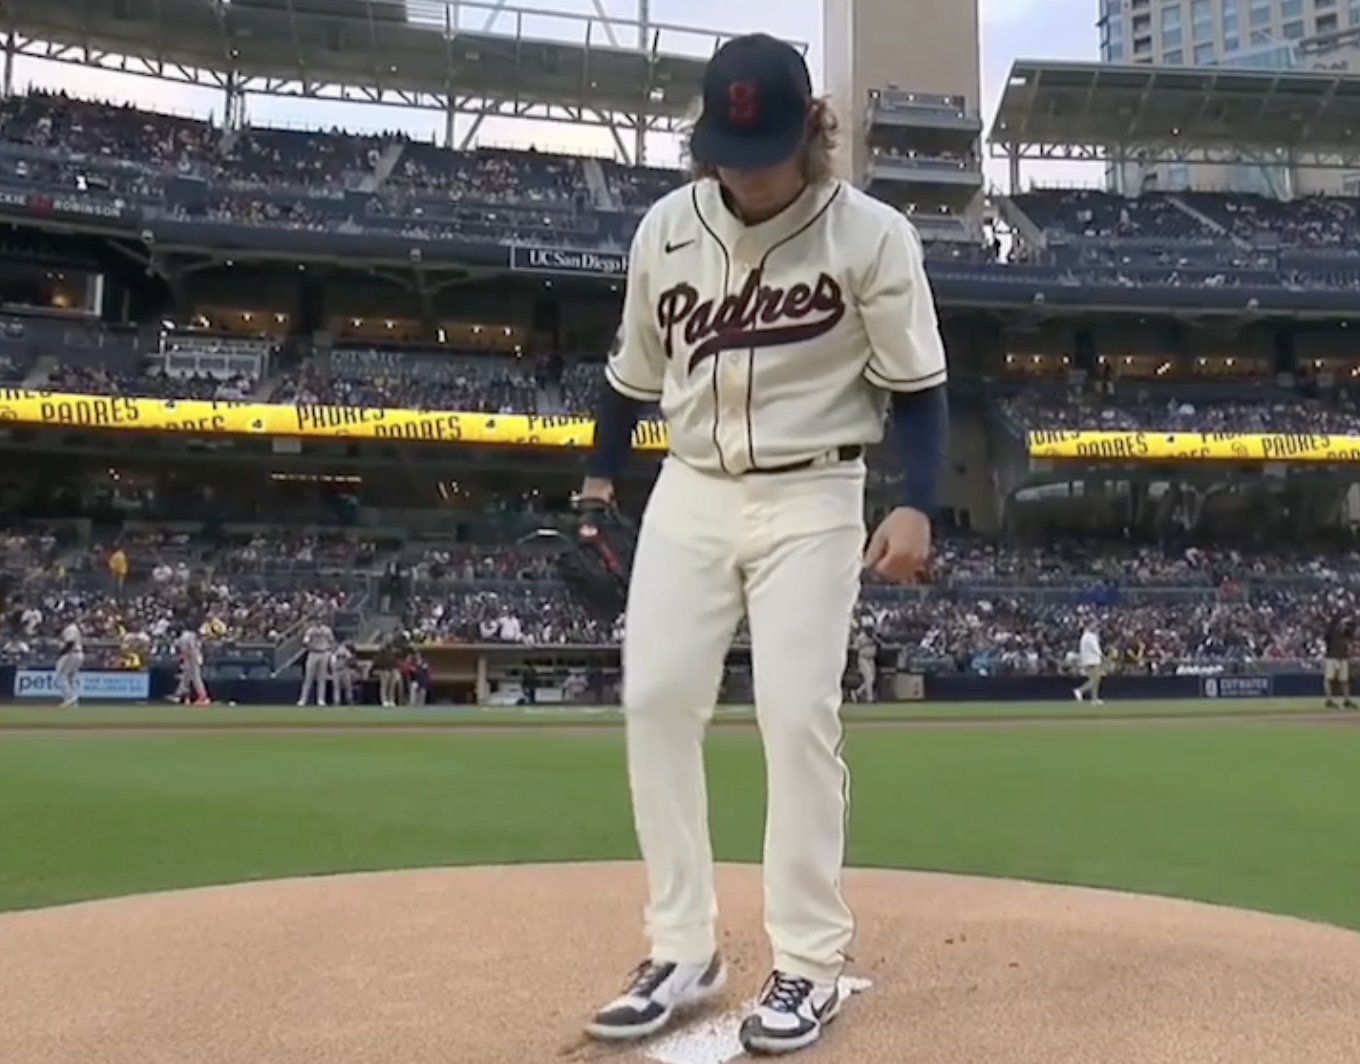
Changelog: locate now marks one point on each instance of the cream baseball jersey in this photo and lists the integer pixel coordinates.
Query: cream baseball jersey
(773, 344)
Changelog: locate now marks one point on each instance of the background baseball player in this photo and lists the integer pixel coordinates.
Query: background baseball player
(319, 642)
(190, 650)
(387, 667)
(866, 659)
(342, 675)
(69, 663)
(769, 309)
(1336, 662)
(1091, 661)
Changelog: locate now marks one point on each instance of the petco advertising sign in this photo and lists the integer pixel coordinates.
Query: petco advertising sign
(96, 686)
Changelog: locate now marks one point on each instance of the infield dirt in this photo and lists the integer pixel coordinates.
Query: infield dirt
(501, 965)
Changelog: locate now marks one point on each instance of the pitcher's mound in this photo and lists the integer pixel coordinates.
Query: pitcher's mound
(501, 966)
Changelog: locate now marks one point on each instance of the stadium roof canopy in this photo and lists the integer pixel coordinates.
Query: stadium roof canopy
(1178, 114)
(462, 57)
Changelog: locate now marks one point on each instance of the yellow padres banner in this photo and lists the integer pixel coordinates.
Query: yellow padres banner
(232, 418)
(1194, 446)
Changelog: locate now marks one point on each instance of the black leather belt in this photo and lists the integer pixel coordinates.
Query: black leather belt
(848, 453)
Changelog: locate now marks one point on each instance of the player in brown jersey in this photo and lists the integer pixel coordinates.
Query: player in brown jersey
(1336, 665)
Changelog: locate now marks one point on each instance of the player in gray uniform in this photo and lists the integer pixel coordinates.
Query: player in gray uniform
(69, 663)
(190, 650)
(342, 675)
(319, 642)
(866, 657)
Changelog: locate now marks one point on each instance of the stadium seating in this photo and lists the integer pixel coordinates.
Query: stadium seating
(987, 608)
(1094, 215)
(398, 187)
(295, 157)
(436, 381)
(1312, 223)
(1282, 412)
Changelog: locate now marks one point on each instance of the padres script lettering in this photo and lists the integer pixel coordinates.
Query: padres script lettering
(749, 318)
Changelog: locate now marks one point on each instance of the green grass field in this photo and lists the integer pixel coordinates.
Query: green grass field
(1263, 816)
(254, 717)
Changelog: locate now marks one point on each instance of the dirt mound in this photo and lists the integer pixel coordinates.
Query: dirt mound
(490, 965)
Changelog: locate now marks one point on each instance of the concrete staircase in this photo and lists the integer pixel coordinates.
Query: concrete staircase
(387, 162)
(598, 186)
(1204, 220)
(41, 372)
(1021, 223)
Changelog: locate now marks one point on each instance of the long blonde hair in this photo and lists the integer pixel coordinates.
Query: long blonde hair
(816, 155)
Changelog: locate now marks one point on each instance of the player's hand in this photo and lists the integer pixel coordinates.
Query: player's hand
(900, 546)
(598, 488)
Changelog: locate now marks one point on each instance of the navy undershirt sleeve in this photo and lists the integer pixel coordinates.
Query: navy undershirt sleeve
(615, 420)
(919, 431)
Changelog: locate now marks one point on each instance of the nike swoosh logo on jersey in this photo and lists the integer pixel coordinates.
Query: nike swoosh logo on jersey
(676, 247)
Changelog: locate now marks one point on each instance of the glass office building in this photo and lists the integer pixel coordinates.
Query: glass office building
(1251, 34)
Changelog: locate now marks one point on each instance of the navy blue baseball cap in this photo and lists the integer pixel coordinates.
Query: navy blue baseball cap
(757, 94)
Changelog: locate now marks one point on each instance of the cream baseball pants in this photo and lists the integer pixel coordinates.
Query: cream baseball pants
(784, 550)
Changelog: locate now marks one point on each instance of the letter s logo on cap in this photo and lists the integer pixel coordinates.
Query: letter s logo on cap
(743, 106)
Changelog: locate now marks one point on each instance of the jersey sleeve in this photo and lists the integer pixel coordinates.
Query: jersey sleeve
(637, 364)
(906, 349)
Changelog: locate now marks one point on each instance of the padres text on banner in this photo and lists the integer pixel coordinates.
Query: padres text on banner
(1193, 446)
(235, 418)
(109, 686)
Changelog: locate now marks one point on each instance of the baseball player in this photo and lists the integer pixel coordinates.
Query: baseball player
(319, 642)
(342, 675)
(190, 650)
(1091, 660)
(866, 658)
(387, 666)
(780, 317)
(69, 663)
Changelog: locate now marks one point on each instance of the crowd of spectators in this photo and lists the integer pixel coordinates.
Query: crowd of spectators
(527, 614)
(472, 564)
(299, 158)
(422, 191)
(492, 176)
(1090, 214)
(115, 133)
(136, 595)
(258, 552)
(152, 619)
(985, 607)
(1011, 632)
(980, 564)
(474, 385)
(635, 188)
(1016, 634)
(155, 384)
(1286, 413)
(1324, 223)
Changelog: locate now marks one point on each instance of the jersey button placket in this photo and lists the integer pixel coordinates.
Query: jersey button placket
(737, 369)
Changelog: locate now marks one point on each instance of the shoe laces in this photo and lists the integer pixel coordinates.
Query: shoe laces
(646, 977)
(785, 993)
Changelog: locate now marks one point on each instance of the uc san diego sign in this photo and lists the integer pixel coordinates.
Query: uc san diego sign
(527, 258)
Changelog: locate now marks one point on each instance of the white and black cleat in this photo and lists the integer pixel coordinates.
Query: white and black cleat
(790, 1015)
(656, 991)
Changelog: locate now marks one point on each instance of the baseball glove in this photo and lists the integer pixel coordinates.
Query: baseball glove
(598, 559)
